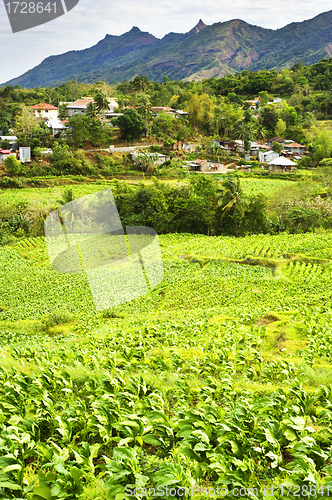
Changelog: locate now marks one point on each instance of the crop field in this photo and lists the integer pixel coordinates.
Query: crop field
(266, 186)
(42, 197)
(220, 378)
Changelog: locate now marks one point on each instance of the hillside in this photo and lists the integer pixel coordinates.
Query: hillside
(205, 51)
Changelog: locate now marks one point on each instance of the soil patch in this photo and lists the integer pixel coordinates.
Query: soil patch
(267, 319)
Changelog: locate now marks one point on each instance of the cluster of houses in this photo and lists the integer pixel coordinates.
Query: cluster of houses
(291, 148)
(49, 113)
(260, 150)
(23, 153)
(264, 153)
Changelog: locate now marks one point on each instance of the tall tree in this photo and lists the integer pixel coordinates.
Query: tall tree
(232, 199)
(144, 108)
(91, 110)
(101, 102)
(131, 124)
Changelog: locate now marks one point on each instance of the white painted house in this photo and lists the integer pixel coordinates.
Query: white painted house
(44, 110)
(57, 126)
(267, 156)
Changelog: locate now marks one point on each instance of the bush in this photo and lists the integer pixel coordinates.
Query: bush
(12, 165)
(5, 144)
(155, 149)
(108, 166)
(58, 317)
(66, 162)
(9, 182)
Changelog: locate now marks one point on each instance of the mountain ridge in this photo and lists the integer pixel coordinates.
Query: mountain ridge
(219, 49)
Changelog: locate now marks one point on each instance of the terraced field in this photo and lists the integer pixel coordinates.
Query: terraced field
(220, 377)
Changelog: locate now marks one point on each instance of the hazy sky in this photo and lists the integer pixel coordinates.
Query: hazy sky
(90, 21)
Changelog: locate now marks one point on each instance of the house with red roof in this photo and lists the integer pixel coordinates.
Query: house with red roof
(46, 111)
(4, 153)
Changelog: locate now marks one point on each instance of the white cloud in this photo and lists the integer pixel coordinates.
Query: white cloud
(89, 22)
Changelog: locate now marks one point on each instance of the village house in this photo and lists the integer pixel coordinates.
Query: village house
(254, 148)
(175, 113)
(184, 146)
(253, 104)
(4, 153)
(274, 139)
(57, 126)
(189, 147)
(79, 106)
(25, 154)
(12, 139)
(239, 146)
(200, 165)
(228, 145)
(294, 148)
(267, 156)
(276, 101)
(45, 111)
(282, 164)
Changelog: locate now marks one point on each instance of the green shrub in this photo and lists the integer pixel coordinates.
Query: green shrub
(58, 317)
(12, 165)
(305, 162)
(9, 182)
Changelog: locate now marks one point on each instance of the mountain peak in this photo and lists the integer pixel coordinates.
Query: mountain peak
(199, 26)
(134, 29)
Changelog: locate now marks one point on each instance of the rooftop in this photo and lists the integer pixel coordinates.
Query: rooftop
(294, 145)
(44, 105)
(80, 103)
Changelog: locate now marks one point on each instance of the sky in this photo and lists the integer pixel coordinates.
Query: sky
(90, 21)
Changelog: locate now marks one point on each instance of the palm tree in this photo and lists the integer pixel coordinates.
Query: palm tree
(101, 102)
(91, 110)
(232, 199)
(144, 108)
(245, 131)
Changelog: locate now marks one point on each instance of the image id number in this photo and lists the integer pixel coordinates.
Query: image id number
(30, 7)
(304, 491)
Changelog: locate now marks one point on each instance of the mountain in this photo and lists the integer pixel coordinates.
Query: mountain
(205, 51)
(309, 41)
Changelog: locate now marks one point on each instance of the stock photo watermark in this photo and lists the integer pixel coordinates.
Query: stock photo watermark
(86, 235)
(25, 15)
(304, 491)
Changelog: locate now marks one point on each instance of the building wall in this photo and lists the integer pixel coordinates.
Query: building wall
(52, 114)
(205, 167)
(268, 156)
